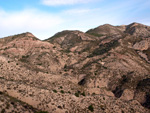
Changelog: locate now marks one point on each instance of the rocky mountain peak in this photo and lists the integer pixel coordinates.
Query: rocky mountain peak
(29, 34)
(106, 25)
(138, 30)
(22, 36)
(26, 35)
(106, 29)
(135, 24)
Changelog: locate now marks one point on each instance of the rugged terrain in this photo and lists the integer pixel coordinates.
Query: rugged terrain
(106, 69)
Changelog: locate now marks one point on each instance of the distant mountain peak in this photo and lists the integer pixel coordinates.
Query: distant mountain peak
(107, 25)
(135, 24)
(138, 29)
(24, 35)
(29, 34)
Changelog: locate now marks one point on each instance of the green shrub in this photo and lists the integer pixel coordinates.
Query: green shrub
(76, 94)
(97, 35)
(65, 66)
(55, 91)
(91, 108)
(69, 92)
(1, 93)
(3, 111)
(39, 64)
(25, 56)
(62, 91)
(83, 94)
(93, 94)
(103, 107)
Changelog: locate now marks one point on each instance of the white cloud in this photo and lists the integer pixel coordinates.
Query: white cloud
(27, 20)
(64, 2)
(77, 11)
(80, 11)
(44, 25)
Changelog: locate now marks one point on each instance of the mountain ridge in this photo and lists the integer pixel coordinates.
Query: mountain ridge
(134, 24)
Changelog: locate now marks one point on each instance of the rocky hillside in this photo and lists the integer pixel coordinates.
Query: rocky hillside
(103, 70)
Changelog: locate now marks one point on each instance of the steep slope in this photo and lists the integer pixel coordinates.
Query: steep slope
(138, 30)
(116, 61)
(32, 52)
(71, 40)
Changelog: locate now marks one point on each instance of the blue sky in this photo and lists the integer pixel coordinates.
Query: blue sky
(44, 18)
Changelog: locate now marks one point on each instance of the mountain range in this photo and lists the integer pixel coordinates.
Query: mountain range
(103, 70)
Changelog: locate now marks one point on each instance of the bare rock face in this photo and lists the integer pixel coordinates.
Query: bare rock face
(103, 70)
(142, 45)
(142, 93)
(138, 30)
(127, 95)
